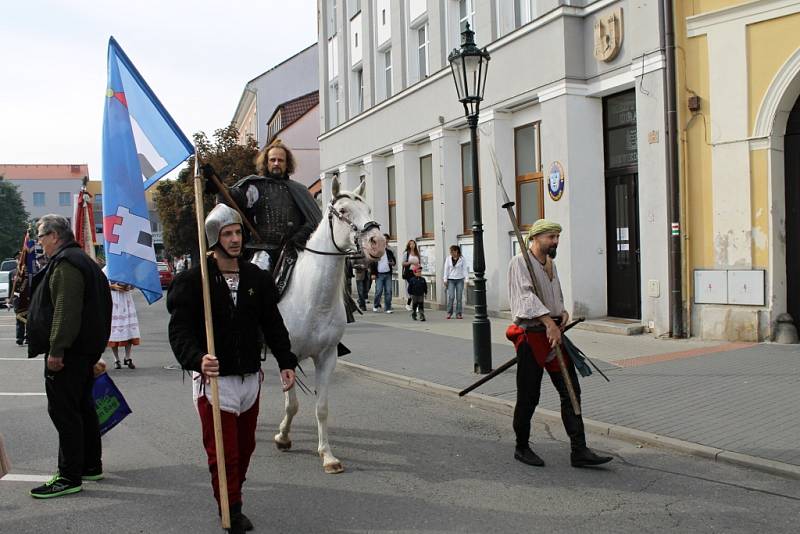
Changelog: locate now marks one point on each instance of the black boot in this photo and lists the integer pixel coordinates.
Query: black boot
(586, 457)
(527, 456)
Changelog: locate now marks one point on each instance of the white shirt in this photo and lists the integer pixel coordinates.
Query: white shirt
(525, 305)
(459, 271)
(383, 264)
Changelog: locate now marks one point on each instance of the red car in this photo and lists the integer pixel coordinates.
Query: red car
(164, 274)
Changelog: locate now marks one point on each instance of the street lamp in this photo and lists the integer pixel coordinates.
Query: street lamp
(469, 66)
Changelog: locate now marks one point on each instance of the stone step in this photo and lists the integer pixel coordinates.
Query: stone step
(613, 325)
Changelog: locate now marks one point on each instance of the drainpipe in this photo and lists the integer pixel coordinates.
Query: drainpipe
(673, 184)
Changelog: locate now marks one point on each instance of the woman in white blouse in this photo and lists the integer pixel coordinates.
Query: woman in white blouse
(455, 273)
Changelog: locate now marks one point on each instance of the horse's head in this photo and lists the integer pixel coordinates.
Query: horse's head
(352, 225)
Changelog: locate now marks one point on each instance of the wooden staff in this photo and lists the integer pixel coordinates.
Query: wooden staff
(201, 238)
(509, 206)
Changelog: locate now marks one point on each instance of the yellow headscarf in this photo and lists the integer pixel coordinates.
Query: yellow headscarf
(540, 227)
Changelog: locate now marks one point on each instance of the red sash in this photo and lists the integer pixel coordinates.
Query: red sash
(537, 342)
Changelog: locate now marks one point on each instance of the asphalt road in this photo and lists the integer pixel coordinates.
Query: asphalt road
(414, 463)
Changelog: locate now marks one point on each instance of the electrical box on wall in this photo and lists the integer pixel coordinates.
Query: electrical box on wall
(729, 287)
(746, 287)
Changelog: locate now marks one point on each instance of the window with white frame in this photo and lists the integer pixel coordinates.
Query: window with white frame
(422, 55)
(426, 194)
(358, 91)
(387, 71)
(38, 199)
(64, 199)
(466, 14)
(333, 112)
(524, 12)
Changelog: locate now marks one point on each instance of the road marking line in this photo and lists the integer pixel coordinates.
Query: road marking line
(20, 359)
(670, 356)
(25, 478)
(22, 394)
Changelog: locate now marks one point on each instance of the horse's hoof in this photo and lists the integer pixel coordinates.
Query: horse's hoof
(283, 445)
(334, 468)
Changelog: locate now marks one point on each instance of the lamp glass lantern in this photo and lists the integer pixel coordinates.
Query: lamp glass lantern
(469, 66)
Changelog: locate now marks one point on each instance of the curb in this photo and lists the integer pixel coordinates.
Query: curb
(622, 433)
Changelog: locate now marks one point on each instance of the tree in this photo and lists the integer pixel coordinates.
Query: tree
(175, 198)
(13, 219)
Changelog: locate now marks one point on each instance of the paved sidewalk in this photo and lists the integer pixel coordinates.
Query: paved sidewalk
(739, 398)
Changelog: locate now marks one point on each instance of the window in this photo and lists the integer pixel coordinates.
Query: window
(467, 198)
(620, 125)
(392, 196)
(64, 199)
(334, 104)
(383, 17)
(528, 171)
(358, 106)
(466, 12)
(38, 199)
(524, 12)
(387, 62)
(422, 35)
(355, 36)
(426, 188)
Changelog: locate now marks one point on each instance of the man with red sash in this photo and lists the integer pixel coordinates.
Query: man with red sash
(538, 323)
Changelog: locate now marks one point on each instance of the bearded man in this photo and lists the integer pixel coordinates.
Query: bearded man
(282, 211)
(245, 314)
(539, 321)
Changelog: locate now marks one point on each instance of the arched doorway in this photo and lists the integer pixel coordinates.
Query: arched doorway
(791, 145)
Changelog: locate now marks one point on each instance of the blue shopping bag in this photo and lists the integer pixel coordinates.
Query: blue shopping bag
(109, 403)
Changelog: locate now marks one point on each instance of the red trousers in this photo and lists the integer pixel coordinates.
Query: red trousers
(239, 442)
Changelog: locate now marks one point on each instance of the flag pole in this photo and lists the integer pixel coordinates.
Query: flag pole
(221, 475)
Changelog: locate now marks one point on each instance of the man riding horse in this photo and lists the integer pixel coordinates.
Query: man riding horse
(282, 215)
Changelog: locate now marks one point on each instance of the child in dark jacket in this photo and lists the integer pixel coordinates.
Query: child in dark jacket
(417, 288)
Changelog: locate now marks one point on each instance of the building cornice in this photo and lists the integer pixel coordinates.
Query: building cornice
(747, 13)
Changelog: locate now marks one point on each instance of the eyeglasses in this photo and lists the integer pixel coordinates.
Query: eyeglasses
(44, 234)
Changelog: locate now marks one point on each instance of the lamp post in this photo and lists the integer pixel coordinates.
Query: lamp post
(469, 66)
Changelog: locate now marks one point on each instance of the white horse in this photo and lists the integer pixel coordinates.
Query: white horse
(313, 303)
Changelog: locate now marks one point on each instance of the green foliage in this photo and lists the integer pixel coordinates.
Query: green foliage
(175, 198)
(13, 219)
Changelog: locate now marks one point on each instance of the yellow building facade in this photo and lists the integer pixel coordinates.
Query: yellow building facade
(738, 88)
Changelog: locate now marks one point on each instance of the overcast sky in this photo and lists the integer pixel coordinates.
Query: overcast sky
(196, 55)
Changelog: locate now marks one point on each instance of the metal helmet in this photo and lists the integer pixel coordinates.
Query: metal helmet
(221, 216)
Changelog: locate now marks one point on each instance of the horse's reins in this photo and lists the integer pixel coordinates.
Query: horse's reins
(356, 232)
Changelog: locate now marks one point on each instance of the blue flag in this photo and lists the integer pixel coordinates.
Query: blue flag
(141, 143)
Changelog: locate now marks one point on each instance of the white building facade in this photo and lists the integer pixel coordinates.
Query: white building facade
(573, 112)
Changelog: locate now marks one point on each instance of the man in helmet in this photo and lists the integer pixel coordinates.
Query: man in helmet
(245, 314)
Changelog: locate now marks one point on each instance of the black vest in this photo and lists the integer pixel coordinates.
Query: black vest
(95, 317)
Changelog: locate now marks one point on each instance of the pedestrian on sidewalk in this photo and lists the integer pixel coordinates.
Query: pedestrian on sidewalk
(69, 320)
(455, 273)
(417, 288)
(382, 274)
(244, 302)
(410, 259)
(363, 280)
(124, 323)
(538, 323)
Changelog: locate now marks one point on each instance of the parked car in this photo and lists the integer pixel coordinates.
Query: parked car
(165, 274)
(5, 280)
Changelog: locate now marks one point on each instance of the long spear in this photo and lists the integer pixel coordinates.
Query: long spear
(217, 416)
(508, 204)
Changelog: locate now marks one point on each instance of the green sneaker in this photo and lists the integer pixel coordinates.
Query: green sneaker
(93, 474)
(56, 487)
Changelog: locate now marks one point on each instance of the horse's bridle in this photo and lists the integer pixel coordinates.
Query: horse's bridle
(356, 232)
